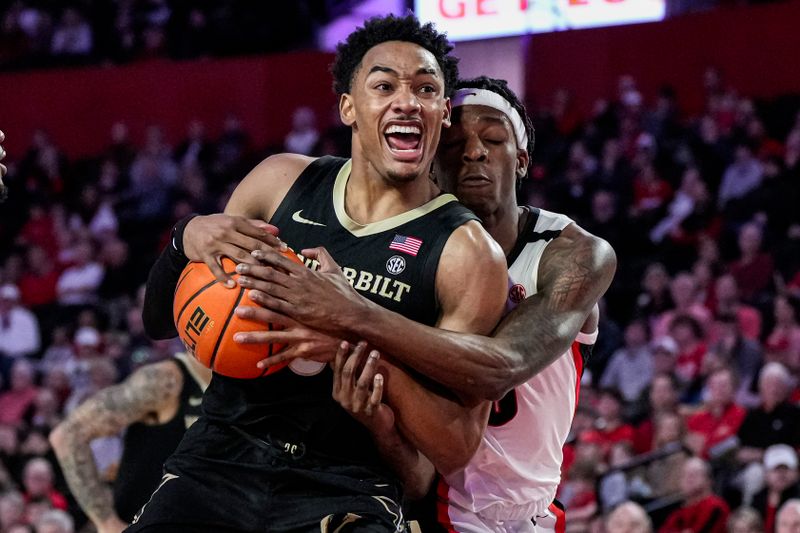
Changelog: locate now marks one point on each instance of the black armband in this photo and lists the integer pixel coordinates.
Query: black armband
(161, 283)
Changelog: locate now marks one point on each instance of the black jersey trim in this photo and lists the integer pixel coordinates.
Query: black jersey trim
(299, 185)
(528, 235)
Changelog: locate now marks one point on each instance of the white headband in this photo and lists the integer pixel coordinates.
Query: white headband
(491, 99)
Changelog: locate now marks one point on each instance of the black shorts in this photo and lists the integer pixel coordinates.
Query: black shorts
(220, 479)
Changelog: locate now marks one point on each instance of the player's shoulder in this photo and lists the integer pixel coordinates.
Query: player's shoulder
(164, 375)
(471, 240)
(262, 190)
(593, 252)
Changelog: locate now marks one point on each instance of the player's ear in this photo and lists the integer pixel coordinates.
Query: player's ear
(448, 110)
(522, 163)
(347, 110)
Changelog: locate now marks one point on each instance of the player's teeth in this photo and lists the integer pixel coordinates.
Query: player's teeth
(403, 129)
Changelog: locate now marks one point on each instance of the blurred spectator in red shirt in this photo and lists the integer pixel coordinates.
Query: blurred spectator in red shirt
(712, 429)
(688, 335)
(38, 283)
(702, 511)
(754, 269)
(37, 479)
(609, 427)
(39, 230)
(780, 464)
(728, 302)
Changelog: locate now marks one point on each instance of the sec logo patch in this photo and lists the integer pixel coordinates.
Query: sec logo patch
(395, 265)
(516, 293)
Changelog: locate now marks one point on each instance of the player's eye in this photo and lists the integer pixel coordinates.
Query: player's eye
(383, 86)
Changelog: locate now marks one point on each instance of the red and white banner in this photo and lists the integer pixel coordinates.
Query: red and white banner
(478, 19)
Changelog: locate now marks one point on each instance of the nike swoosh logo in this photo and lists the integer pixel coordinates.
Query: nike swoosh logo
(297, 218)
(194, 401)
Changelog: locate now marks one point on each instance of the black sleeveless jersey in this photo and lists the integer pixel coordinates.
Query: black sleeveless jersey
(392, 262)
(147, 446)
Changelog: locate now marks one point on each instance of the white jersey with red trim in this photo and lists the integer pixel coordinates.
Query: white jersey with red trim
(517, 468)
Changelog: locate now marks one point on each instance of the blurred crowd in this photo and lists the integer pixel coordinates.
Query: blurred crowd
(39, 33)
(689, 405)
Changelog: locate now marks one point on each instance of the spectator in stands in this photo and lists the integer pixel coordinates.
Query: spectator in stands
(12, 509)
(630, 369)
(713, 428)
(196, 151)
(19, 328)
(754, 269)
(664, 475)
(788, 520)
(783, 342)
(37, 479)
(654, 298)
(740, 178)
(303, 136)
(685, 300)
(38, 283)
(73, 35)
(774, 421)
(120, 151)
(55, 521)
(748, 318)
(94, 214)
(740, 354)
(688, 335)
(46, 410)
(629, 517)
(662, 398)
(701, 511)
(609, 427)
(780, 464)
(15, 402)
(78, 283)
(231, 148)
(39, 229)
(745, 520)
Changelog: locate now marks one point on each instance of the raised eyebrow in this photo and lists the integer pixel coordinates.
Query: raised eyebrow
(381, 68)
(428, 70)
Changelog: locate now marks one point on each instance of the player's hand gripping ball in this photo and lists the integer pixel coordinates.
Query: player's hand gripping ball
(203, 310)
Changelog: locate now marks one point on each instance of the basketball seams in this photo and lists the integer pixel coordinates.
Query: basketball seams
(183, 277)
(221, 334)
(195, 295)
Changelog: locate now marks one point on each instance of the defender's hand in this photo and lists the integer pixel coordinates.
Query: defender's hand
(360, 392)
(209, 238)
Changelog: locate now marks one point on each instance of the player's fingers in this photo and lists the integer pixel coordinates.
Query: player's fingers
(269, 301)
(377, 391)
(264, 226)
(215, 265)
(351, 365)
(253, 235)
(326, 261)
(258, 273)
(264, 337)
(277, 260)
(264, 316)
(367, 373)
(338, 363)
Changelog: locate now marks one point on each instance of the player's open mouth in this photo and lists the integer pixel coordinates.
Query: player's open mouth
(405, 141)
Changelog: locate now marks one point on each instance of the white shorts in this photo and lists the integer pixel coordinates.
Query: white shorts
(463, 521)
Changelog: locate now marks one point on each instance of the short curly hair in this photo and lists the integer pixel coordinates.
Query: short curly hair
(501, 87)
(379, 30)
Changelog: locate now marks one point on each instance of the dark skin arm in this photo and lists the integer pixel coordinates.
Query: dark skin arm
(574, 272)
(360, 393)
(147, 392)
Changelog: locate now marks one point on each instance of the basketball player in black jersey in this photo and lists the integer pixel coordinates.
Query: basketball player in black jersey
(154, 406)
(278, 454)
(480, 161)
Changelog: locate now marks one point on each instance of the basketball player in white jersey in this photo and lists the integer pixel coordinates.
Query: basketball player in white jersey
(531, 367)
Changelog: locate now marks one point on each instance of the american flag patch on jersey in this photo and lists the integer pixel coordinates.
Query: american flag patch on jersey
(408, 245)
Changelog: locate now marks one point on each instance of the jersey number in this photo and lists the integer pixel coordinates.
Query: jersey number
(504, 410)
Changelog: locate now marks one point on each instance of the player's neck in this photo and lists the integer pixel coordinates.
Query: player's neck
(370, 197)
(504, 225)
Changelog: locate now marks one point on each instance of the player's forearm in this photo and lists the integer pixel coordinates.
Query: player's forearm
(444, 430)
(471, 365)
(77, 462)
(415, 471)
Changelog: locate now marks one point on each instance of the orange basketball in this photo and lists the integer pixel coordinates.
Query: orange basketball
(203, 310)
